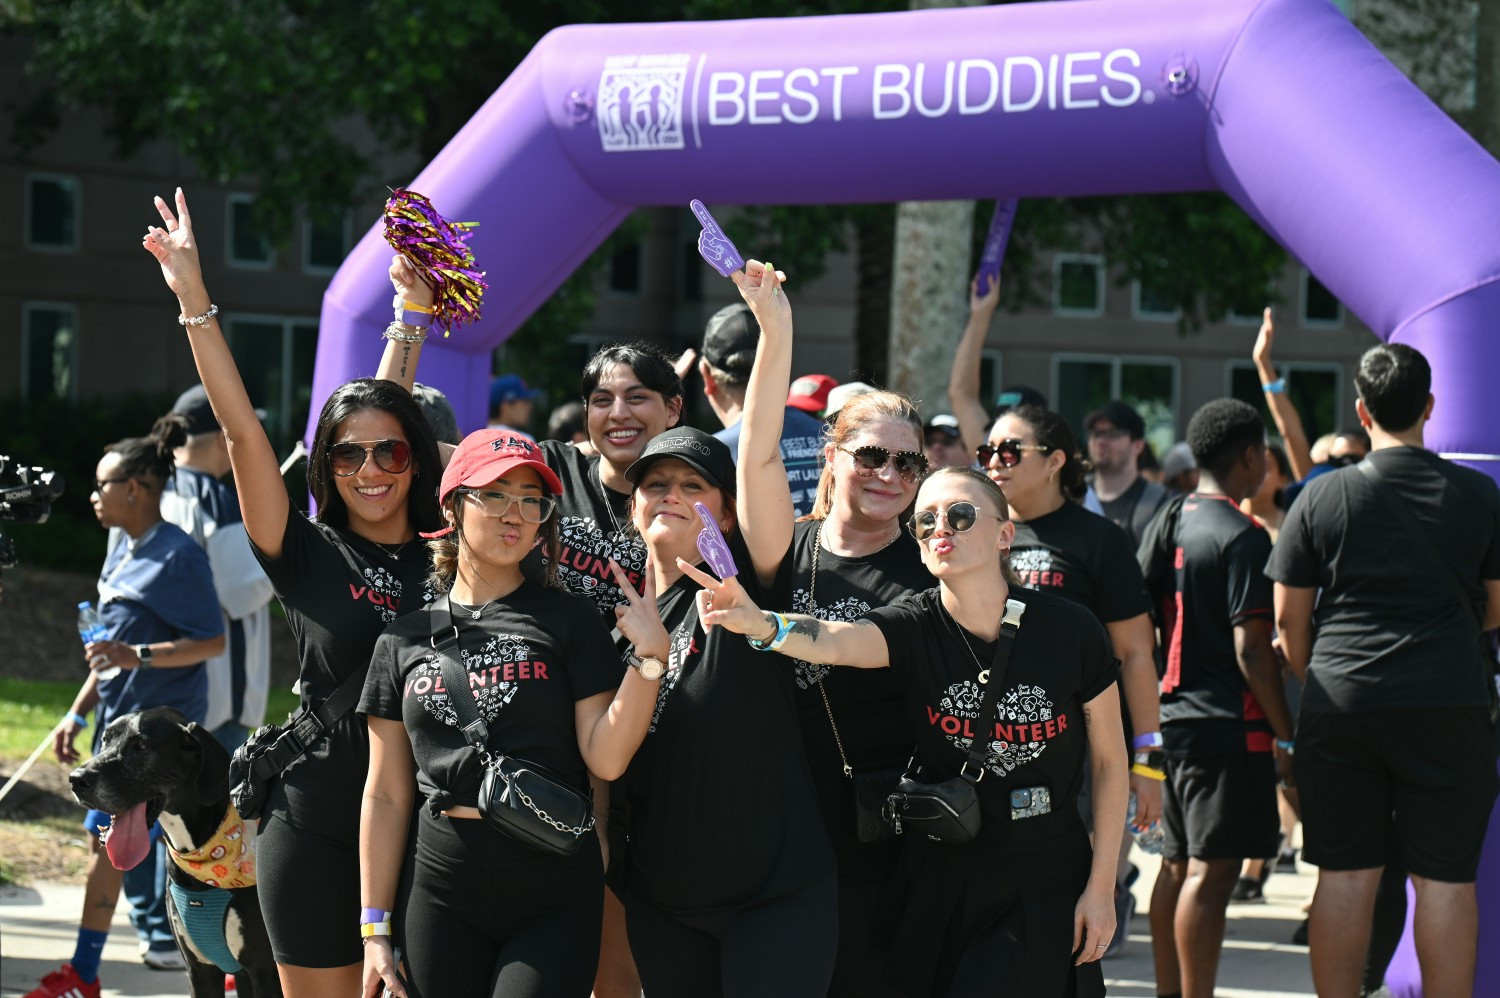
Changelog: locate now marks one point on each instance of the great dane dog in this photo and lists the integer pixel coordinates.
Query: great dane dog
(157, 764)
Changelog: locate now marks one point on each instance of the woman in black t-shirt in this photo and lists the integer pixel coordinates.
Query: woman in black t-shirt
(481, 913)
(1024, 910)
(845, 558)
(729, 885)
(372, 471)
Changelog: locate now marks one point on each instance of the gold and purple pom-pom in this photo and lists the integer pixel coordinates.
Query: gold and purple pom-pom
(439, 250)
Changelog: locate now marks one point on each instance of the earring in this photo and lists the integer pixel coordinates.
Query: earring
(130, 500)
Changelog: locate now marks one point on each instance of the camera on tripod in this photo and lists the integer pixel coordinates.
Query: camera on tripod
(26, 495)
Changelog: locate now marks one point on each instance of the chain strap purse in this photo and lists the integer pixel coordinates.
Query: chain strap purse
(872, 784)
(523, 800)
(948, 812)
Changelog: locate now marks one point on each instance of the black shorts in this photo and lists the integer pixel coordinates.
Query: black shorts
(309, 893)
(1220, 806)
(1415, 783)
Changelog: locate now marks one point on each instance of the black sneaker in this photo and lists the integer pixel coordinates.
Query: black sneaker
(1287, 862)
(1247, 891)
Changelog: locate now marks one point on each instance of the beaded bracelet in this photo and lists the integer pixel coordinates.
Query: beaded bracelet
(198, 320)
(401, 332)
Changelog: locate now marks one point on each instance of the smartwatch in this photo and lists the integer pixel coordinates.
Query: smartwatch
(143, 652)
(651, 669)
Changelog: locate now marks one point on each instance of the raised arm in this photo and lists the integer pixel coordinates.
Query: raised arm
(403, 348)
(725, 604)
(257, 476)
(765, 523)
(1288, 422)
(963, 382)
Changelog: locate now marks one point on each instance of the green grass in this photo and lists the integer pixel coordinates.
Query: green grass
(30, 708)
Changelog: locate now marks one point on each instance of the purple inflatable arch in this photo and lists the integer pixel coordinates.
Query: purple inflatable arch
(1282, 104)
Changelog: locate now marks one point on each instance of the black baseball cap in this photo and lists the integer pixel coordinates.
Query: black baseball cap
(193, 405)
(708, 454)
(730, 339)
(1122, 415)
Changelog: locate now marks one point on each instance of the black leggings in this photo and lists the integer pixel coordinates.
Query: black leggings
(482, 914)
(782, 948)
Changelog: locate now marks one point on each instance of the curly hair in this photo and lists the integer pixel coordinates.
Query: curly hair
(150, 459)
(1220, 432)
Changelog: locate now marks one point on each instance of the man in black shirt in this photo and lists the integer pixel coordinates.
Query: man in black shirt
(1222, 700)
(1116, 437)
(1397, 751)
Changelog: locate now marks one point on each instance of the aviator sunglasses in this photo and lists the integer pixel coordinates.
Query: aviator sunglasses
(393, 456)
(868, 461)
(1010, 451)
(960, 516)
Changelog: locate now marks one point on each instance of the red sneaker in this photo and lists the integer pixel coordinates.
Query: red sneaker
(65, 983)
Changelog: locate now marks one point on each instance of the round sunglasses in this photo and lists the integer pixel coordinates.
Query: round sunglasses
(393, 456)
(868, 461)
(1010, 451)
(960, 516)
(534, 509)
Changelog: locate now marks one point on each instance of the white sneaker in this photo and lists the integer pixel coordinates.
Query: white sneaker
(164, 959)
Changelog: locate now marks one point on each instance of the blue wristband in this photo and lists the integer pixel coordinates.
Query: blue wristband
(1276, 387)
(783, 628)
(1289, 748)
(78, 719)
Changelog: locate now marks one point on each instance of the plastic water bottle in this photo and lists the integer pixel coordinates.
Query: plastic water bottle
(91, 628)
(1150, 840)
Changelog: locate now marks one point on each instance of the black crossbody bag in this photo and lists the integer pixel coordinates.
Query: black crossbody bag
(521, 799)
(948, 812)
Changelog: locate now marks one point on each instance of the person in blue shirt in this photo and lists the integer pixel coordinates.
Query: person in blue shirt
(729, 342)
(157, 601)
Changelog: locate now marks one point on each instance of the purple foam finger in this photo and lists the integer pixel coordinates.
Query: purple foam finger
(712, 546)
(994, 244)
(713, 245)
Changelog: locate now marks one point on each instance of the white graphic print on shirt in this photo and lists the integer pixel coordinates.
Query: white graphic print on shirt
(495, 671)
(1026, 722)
(808, 674)
(383, 589)
(583, 561)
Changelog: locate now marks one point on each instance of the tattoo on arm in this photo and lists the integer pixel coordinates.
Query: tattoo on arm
(803, 624)
(1088, 717)
(405, 356)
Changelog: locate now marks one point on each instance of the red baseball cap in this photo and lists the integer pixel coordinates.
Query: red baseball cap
(487, 454)
(810, 392)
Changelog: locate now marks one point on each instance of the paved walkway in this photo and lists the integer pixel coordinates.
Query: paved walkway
(38, 926)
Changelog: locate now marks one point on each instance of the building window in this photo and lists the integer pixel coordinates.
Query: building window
(1082, 383)
(692, 272)
(625, 269)
(325, 243)
(275, 357)
(1077, 284)
(1319, 306)
(1315, 390)
(245, 246)
(1151, 299)
(49, 350)
(990, 373)
(52, 212)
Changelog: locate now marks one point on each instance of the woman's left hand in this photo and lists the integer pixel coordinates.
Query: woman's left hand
(1093, 922)
(408, 283)
(110, 654)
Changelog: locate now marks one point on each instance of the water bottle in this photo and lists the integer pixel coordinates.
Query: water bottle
(1150, 840)
(91, 628)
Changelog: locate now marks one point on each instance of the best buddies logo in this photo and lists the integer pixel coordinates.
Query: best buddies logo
(641, 98)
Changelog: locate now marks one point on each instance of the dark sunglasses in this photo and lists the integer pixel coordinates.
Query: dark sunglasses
(868, 461)
(347, 458)
(1009, 451)
(960, 516)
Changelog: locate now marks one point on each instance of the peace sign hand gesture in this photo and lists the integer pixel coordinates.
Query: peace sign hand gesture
(638, 618)
(725, 604)
(174, 247)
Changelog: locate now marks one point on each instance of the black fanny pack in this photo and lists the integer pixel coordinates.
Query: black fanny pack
(948, 812)
(519, 798)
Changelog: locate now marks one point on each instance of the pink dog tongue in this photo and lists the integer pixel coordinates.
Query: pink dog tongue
(128, 838)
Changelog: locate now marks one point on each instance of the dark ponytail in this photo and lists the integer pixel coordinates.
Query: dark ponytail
(1052, 432)
(150, 459)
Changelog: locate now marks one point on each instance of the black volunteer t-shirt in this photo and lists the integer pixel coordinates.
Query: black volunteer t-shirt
(721, 809)
(594, 526)
(869, 705)
(1060, 661)
(530, 657)
(1132, 509)
(1388, 632)
(1085, 557)
(1220, 554)
(339, 592)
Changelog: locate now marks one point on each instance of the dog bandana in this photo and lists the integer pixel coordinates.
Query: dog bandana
(225, 860)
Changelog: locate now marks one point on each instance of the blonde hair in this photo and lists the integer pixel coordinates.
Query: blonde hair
(854, 416)
(445, 549)
(990, 489)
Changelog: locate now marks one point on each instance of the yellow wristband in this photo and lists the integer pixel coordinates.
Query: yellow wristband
(1141, 769)
(375, 929)
(410, 306)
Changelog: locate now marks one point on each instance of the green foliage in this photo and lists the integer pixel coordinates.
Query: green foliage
(29, 710)
(69, 438)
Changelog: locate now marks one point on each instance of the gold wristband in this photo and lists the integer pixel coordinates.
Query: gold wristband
(375, 929)
(1141, 769)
